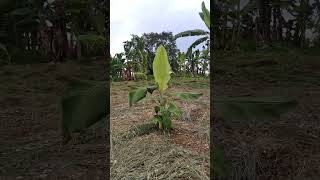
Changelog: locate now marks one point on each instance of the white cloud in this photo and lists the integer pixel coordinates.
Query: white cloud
(143, 16)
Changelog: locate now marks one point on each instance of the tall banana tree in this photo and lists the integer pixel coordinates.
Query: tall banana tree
(205, 57)
(116, 66)
(81, 29)
(182, 62)
(195, 62)
(18, 19)
(205, 34)
(44, 25)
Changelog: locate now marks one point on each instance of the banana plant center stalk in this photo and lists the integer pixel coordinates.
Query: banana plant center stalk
(161, 104)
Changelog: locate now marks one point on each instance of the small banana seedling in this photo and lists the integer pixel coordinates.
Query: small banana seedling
(165, 109)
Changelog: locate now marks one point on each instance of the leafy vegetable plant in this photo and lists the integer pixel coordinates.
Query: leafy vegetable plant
(164, 109)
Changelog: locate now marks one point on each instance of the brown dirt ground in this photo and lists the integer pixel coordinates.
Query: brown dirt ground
(30, 124)
(285, 149)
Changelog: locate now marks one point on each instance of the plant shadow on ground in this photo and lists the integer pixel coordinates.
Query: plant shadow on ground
(283, 149)
(140, 150)
(30, 116)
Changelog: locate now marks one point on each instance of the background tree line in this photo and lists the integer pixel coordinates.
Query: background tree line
(52, 29)
(266, 22)
(139, 53)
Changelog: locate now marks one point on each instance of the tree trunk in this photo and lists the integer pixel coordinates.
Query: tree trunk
(233, 38)
(61, 31)
(274, 26)
(267, 20)
(303, 36)
(281, 21)
(296, 33)
(224, 29)
(78, 49)
(238, 25)
(264, 16)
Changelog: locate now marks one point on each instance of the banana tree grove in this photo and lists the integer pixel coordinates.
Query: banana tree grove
(56, 29)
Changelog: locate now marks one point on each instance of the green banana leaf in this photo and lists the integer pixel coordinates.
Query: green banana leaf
(195, 44)
(135, 95)
(195, 32)
(174, 109)
(187, 96)
(138, 93)
(252, 108)
(83, 105)
(205, 15)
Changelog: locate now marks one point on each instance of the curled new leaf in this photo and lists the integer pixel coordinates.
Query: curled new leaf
(161, 68)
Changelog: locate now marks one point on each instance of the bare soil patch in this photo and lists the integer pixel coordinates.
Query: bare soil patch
(30, 124)
(284, 149)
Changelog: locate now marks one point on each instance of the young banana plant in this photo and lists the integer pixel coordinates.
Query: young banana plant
(165, 109)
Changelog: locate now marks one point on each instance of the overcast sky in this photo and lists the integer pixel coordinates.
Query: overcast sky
(144, 16)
